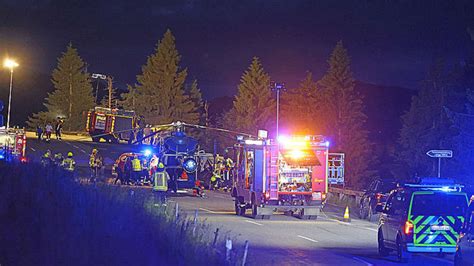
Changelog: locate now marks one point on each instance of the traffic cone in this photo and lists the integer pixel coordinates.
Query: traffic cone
(346, 218)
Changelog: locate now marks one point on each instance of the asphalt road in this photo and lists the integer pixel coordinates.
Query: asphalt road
(282, 240)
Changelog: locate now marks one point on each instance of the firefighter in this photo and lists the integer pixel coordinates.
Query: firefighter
(39, 132)
(69, 165)
(49, 130)
(160, 183)
(145, 170)
(46, 159)
(93, 165)
(58, 159)
(136, 169)
(215, 180)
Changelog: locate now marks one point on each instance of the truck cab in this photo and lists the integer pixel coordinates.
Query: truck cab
(288, 175)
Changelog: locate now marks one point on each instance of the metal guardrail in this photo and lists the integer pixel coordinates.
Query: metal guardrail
(346, 191)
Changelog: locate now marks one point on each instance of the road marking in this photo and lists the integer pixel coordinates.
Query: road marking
(206, 210)
(362, 261)
(252, 222)
(309, 239)
(216, 212)
(32, 149)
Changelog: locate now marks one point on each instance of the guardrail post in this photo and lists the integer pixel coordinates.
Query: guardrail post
(216, 233)
(246, 249)
(176, 213)
(228, 248)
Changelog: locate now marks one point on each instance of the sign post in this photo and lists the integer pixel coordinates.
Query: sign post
(440, 154)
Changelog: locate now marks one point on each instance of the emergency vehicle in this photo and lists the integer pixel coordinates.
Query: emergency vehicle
(289, 175)
(111, 125)
(13, 144)
(422, 216)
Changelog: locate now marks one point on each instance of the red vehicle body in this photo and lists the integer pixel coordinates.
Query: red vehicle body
(13, 145)
(111, 125)
(291, 175)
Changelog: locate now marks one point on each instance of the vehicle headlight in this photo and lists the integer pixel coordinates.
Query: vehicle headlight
(190, 165)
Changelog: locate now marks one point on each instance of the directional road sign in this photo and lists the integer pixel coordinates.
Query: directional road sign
(440, 153)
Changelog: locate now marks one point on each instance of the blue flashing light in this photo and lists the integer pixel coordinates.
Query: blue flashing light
(327, 144)
(190, 165)
(147, 153)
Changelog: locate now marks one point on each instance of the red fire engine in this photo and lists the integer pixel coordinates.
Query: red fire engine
(111, 125)
(13, 145)
(290, 175)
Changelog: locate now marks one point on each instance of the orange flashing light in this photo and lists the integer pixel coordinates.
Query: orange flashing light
(408, 228)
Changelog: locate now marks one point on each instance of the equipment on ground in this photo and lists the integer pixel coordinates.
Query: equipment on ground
(289, 175)
(112, 125)
(13, 145)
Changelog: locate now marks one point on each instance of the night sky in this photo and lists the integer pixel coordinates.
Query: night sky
(390, 42)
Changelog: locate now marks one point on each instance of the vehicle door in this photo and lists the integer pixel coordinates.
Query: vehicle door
(467, 242)
(385, 216)
(398, 214)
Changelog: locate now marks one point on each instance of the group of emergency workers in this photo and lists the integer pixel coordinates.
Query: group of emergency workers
(48, 160)
(222, 172)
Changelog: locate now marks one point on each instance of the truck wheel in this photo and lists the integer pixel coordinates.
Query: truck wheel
(240, 211)
(362, 214)
(383, 251)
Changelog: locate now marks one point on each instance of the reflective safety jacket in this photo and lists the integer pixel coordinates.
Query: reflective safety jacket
(136, 165)
(92, 161)
(69, 164)
(160, 181)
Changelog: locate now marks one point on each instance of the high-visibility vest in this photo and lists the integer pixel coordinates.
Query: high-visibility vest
(160, 181)
(136, 165)
(92, 160)
(69, 164)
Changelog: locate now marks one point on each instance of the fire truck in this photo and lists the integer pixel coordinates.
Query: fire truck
(109, 124)
(289, 175)
(13, 145)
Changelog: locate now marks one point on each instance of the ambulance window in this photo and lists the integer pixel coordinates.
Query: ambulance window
(398, 204)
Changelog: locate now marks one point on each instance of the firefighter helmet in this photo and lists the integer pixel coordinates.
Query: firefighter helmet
(69, 154)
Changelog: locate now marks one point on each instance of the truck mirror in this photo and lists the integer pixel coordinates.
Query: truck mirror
(379, 208)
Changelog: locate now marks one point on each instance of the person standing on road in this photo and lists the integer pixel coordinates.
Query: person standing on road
(39, 132)
(93, 165)
(58, 128)
(160, 183)
(69, 165)
(49, 130)
(136, 169)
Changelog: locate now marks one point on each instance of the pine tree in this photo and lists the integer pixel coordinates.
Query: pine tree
(300, 108)
(195, 96)
(72, 95)
(253, 105)
(344, 117)
(160, 95)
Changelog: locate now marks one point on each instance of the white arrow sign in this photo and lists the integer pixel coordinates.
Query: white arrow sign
(440, 153)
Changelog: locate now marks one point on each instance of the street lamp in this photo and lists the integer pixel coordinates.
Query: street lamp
(97, 76)
(277, 86)
(11, 64)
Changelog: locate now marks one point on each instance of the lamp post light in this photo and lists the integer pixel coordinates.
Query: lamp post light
(98, 76)
(277, 86)
(10, 64)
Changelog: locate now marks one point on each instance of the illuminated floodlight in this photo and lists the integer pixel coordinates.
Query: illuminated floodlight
(190, 165)
(282, 139)
(262, 134)
(147, 153)
(327, 143)
(253, 142)
(296, 154)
